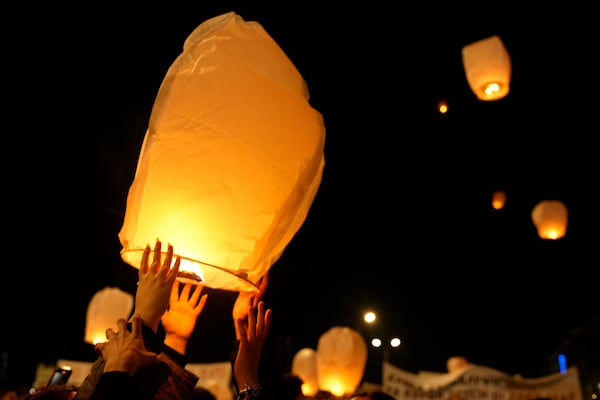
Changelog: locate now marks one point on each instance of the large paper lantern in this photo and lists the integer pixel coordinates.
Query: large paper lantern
(104, 309)
(488, 68)
(550, 218)
(231, 161)
(341, 360)
(304, 365)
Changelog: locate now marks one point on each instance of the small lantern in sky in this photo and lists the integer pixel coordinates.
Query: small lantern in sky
(456, 364)
(488, 68)
(550, 218)
(341, 360)
(231, 161)
(304, 365)
(498, 199)
(104, 309)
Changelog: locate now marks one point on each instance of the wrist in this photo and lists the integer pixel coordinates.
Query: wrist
(248, 392)
(120, 365)
(148, 319)
(177, 343)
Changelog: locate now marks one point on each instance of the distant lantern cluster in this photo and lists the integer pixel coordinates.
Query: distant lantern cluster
(550, 217)
(488, 69)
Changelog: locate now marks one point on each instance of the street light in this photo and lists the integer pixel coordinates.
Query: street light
(377, 334)
(370, 317)
(393, 342)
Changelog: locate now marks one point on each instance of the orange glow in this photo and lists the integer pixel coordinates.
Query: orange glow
(104, 309)
(550, 218)
(488, 68)
(456, 364)
(304, 365)
(498, 199)
(341, 360)
(442, 106)
(231, 161)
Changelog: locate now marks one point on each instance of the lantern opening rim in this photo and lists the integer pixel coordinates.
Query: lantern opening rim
(185, 276)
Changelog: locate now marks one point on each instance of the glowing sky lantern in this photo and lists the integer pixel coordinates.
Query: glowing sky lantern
(498, 199)
(304, 365)
(341, 360)
(104, 309)
(231, 161)
(550, 218)
(487, 68)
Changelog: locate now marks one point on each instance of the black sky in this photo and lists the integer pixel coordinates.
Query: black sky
(402, 221)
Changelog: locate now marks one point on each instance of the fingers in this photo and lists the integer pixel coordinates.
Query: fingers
(144, 262)
(260, 320)
(194, 298)
(175, 268)
(169, 271)
(263, 283)
(99, 347)
(195, 295)
(156, 256)
(251, 323)
(110, 333)
(166, 265)
(200, 306)
(156, 266)
(122, 325)
(267, 320)
(185, 292)
(174, 293)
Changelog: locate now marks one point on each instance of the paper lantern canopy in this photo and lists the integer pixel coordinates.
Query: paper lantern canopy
(550, 218)
(341, 360)
(104, 309)
(488, 68)
(456, 364)
(231, 161)
(498, 199)
(304, 365)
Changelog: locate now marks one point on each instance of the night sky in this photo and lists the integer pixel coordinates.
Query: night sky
(402, 222)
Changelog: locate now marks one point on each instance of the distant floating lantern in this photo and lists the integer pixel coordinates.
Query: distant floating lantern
(550, 218)
(304, 365)
(231, 161)
(341, 360)
(442, 106)
(488, 68)
(498, 199)
(456, 364)
(105, 308)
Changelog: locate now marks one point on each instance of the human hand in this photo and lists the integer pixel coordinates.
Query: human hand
(155, 283)
(180, 318)
(125, 351)
(244, 300)
(253, 335)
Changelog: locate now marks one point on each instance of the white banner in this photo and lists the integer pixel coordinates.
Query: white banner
(476, 382)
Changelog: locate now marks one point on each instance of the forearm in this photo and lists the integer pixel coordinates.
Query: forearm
(150, 318)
